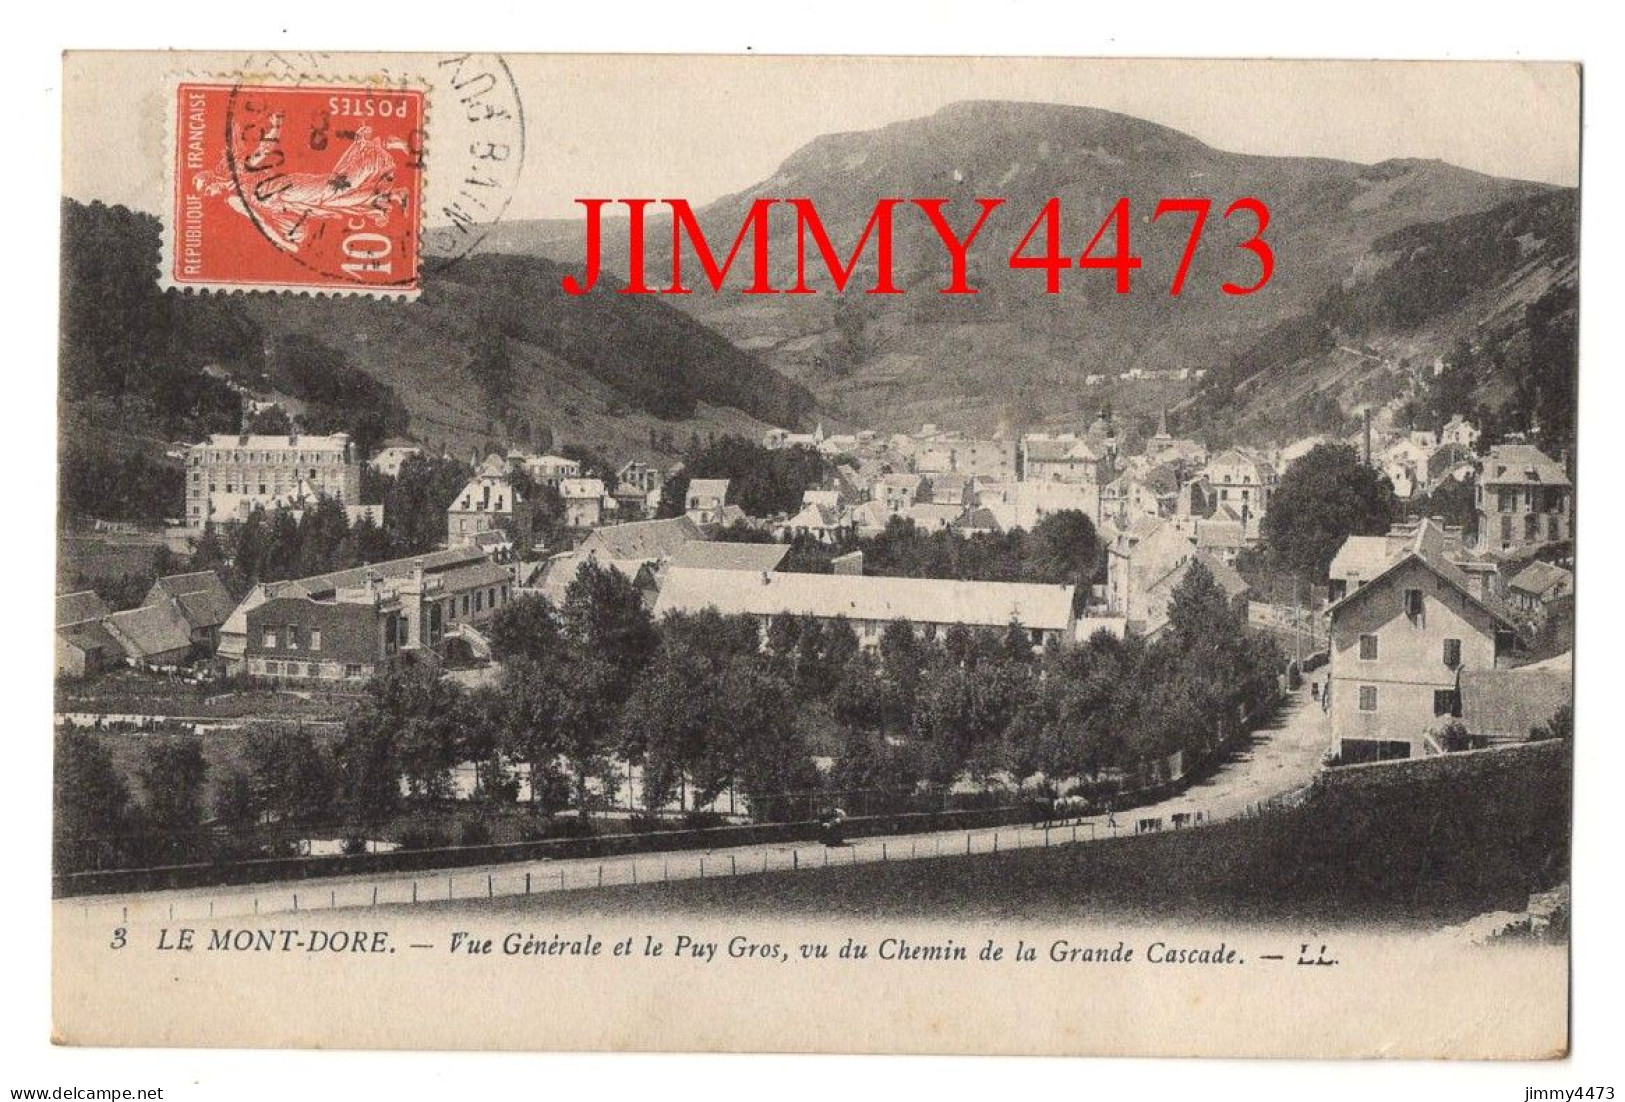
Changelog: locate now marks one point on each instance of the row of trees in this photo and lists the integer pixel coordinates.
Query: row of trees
(705, 705)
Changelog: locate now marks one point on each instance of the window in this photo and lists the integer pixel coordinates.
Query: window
(1368, 648)
(479, 599)
(315, 638)
(1531, 526)
(352, 670)
(1506, 531)
(1552, 528)
(268, 639)
(273, 669)
(293, 637)
(1452, 653)
(1368, 698)
(1444, 703)
(1413, 603)
(465, 604)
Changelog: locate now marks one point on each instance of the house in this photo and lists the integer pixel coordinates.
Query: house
(436, 593)
(489, 500)
(152, 635)
(868, 604)
(1146, 563)
(1525, 500)
(1186, 455)
(1064, 458)
(1400, 641)
(1221, 537)
(1153, 492)
(346, 625)
(548, 470)
(1244, 480)
(949, 454)
(706, 497)
(897, 492)
(950, 489)
(824, 523)
(1500, 706)
(1538, 585)
(629, 548)
(1024, 504)
(930, 517)
(1458, 430)
(829, 499)
(227, 476)
(584, 503)
(391, 456)
(727, 555)
(85, 648)
(201, 598)
(78, 608)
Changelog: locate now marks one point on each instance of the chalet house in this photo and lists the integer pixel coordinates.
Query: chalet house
(897, 492)
(1525, 500)
(1400, 641)
(868, 604)
(705, 500)
(547, 470)
(490, 500)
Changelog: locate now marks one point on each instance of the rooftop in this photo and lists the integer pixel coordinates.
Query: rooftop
(725, 555)
(1509, 703)
(857, 597)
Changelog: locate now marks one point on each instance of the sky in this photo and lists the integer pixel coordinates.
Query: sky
(701, 127)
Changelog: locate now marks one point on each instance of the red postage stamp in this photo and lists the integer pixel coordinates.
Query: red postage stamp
(296, 187)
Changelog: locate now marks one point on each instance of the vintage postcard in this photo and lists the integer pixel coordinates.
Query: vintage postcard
(958, 555)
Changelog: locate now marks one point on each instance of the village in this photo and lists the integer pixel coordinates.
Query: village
(1428, 638)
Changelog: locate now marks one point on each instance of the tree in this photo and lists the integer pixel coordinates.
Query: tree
(527, 627)
(587, 707)
(293, 776)
(1323, 498)
(603, 614)
(273, 420)
(1065, 550)
(530, 731)
(416, 500)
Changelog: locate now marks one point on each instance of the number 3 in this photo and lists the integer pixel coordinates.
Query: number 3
(1256, 244)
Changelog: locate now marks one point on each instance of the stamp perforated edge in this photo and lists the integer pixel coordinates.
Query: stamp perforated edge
(169, 237)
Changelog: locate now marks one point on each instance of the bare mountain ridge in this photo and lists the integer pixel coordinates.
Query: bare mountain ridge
(1014, 354)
